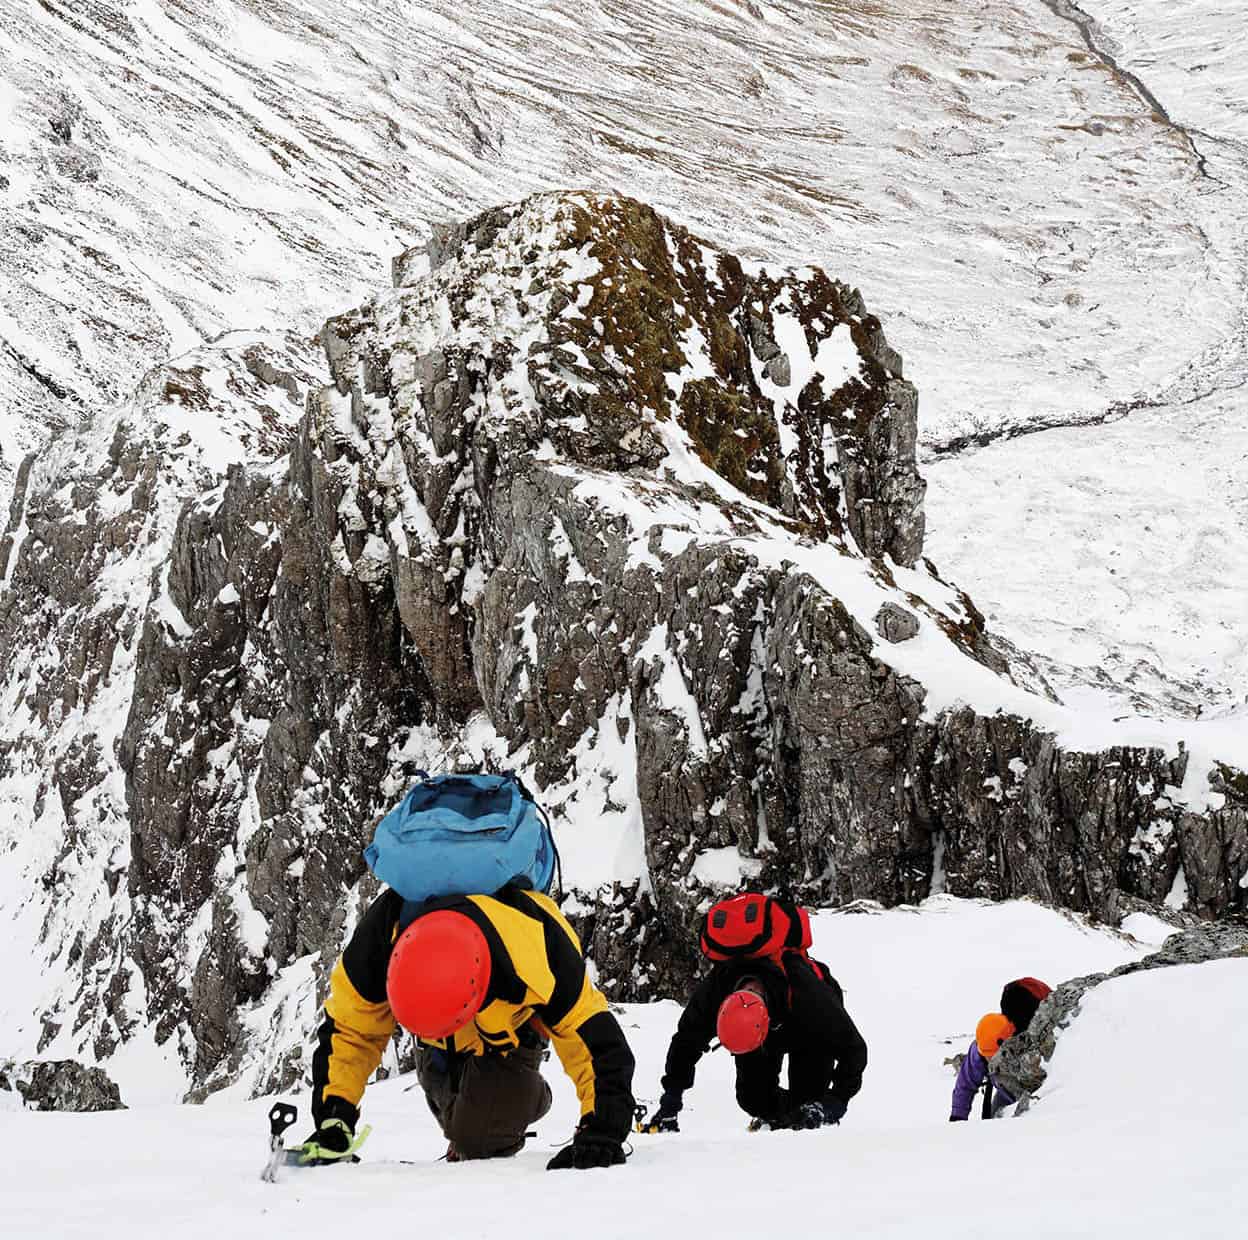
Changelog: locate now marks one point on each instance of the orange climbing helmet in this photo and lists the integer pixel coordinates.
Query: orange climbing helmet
(438, 974)
(991, 1031)
(742, 1022)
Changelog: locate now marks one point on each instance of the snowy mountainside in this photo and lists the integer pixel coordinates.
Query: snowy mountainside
(1118, 1147)
(1120, 551)
(1190, 58)
(1119, 555)
(584, 497)
(1043, 249)
(1039, 242)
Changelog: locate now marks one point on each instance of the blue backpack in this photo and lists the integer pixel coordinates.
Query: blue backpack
(462, 835)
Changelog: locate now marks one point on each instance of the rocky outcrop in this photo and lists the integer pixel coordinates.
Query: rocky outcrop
(1020, 1066)
(585, 498)
(1075, 829)
(59, 1085)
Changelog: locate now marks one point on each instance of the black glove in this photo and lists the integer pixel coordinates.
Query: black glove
(594, 1152)
(660, 1121)
(833, 1109)
(334, 1136)
(803, 1116)
(664, 1119)
(589, 1148)
(330, 1143)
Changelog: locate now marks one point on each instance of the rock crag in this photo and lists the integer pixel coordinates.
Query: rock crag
(59, 1085)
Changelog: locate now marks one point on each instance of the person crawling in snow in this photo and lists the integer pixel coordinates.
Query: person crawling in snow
(763, 1009)
(1019, 1001)
(485, 983)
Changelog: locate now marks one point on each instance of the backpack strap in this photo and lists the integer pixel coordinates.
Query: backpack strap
(556, 891)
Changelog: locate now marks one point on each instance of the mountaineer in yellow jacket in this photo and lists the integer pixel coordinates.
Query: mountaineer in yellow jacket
(484, 982)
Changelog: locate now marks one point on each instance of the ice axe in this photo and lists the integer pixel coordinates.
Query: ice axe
(281, 1116)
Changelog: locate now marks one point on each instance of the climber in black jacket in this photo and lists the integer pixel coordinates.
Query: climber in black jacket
(763, 1010)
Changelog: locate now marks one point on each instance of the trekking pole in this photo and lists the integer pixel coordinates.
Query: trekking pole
(281, 1116)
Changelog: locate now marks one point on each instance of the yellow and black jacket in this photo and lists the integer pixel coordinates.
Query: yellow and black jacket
(538, 984)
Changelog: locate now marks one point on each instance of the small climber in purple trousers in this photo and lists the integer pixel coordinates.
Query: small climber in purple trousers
(1019, 1001)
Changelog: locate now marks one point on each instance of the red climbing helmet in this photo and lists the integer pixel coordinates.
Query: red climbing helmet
(438, 974)
(742, 1022)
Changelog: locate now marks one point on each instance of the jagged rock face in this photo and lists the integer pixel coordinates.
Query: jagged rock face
(1079, 830)
(587, 499)
(785, 388)
(248, 722)
(60, 1085)
(415, 565)
(1020, 1065)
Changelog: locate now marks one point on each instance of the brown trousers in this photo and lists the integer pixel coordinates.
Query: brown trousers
(484, 1103)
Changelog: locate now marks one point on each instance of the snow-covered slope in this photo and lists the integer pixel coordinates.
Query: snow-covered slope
(1043, 246)
(1120, 552)
(1190, 55)
(1119, 1145)
(1117, 553)
(1133, 1032)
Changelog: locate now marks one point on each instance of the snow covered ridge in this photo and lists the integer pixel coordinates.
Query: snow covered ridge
(587, 498)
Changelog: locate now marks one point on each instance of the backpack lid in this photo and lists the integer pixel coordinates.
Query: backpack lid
(1021, 998)
(463, 834)
(752, 925)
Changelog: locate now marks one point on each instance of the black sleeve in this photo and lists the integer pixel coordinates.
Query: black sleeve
(851, 1059)
(364, 961)
(834, 1053)
(367, 956)
(613, 1065)
(692, 1037)
(328, 1106)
